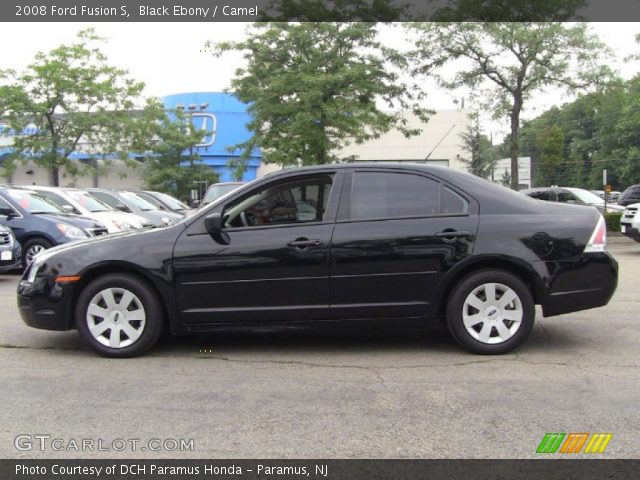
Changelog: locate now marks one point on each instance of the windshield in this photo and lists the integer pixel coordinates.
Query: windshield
(87, 201)
(153, 201)
(137, 202)
(586, 196)
(217, 191)
(173, 203)
(33, 202)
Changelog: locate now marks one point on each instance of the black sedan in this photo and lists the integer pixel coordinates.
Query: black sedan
(363, 244)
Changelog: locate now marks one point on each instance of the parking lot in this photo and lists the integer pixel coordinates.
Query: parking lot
(309, 395)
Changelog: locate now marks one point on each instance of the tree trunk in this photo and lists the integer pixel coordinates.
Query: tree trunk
(54, 176)
(513, 150)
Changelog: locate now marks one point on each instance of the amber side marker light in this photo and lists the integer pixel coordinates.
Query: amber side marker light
(68, 279)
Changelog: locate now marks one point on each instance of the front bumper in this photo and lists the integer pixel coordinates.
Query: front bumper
(11, 258)
(45, 304)
(629, 230)
(586, 282)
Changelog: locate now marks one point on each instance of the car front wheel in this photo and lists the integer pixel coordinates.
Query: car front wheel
(33, 247)
(490, 312)
(119, 315)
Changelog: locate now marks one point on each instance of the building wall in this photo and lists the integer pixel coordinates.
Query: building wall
(524, 171)
(444, 127)
(118, 175)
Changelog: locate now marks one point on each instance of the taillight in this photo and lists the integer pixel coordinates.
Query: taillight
(598, 240)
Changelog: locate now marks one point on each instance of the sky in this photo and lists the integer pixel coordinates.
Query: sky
(171, 57)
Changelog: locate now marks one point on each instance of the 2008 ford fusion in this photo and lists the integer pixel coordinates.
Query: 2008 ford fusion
(390, 244)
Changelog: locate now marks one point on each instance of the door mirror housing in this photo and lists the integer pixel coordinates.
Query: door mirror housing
(214, 224)
(8, 212)
(123, 208)
(68, 208)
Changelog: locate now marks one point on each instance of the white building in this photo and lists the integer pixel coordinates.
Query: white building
(502, 167)
(438, 144)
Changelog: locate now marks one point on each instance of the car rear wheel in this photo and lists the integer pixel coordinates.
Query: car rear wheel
(33, 247)
(490, 312)
(119, 316)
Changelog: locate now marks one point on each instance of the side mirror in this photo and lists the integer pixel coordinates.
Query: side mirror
(68, 208)
(8, 212)
(214, 225)
(123, 208)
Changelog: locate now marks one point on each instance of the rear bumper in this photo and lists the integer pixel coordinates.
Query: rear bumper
(586, 282)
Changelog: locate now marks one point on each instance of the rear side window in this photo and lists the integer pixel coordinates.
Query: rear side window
(388, 195)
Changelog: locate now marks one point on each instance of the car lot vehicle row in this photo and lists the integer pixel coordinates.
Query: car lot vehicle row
(389, 245)
(571, 196)
(41, 217)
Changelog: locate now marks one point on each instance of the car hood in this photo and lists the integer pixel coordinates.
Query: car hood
(74, 220)
(111, 215)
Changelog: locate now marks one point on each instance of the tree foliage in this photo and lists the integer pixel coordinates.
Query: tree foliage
(480, 158)
(314, 88)
(599, 130)
(172, 164)
(504, 64)
(72, 99)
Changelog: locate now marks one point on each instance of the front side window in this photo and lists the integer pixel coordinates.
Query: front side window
(541, 195)
(293, 202)
(567, 197)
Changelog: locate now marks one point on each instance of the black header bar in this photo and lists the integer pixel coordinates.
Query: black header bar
(317, 10)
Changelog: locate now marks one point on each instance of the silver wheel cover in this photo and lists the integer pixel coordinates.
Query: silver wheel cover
(492, 313)
(116, 317)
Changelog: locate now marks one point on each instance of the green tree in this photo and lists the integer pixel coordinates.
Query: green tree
(75, 101)
(480, 159)
(314, 88)
(506, 63)
(172, 164)
(550, 144)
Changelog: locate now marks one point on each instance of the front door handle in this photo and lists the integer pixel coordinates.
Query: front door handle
(453, 234)
(303, 243)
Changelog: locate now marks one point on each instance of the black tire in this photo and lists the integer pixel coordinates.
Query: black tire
(145, 299)
(31, 244)
(475, 282)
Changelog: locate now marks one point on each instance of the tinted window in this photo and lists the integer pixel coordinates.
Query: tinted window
(107, 198)
(294, 202)
(383, 195)
(452, 203)
(543, 195)
(567, 197)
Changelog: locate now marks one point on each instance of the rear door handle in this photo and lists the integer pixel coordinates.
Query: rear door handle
(303, 243)
(453, 234)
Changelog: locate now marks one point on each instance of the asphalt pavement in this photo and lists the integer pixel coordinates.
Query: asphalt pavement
(393, 395)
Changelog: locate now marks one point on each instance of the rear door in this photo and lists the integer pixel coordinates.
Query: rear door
(397, 233)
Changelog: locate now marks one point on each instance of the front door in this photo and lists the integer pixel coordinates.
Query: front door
(272, 264)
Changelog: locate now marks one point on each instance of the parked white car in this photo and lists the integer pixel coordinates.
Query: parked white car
(82, 203)
(630, 221)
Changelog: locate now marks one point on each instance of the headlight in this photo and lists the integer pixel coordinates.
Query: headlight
(122, 226)
(70, 231)
(36, 264)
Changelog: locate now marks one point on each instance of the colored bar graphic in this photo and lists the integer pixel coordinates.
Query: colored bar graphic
(574, 442)
(598, 443)
(550, 443)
